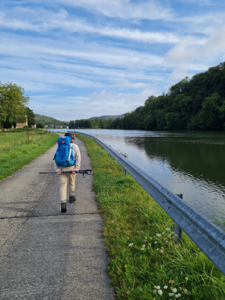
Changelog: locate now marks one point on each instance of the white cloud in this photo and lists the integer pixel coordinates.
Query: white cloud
(121, 99)
(11, 45)
(199, 2)
(187, 50)
(131, 85)
(43, 21)
(45, 80)
(187, 53)
(69, 108)
(125, 9)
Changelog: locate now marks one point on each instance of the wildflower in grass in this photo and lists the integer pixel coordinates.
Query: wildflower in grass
(168, 229)
(166, 241)
(158, 287)
(185, 291)
(181, 272)
(157, 249)
(180, 288)
(125, 266)
(127, 292)
(155, 242)
(171, 281)
(165, 287)
(131, 244)
(150, 238)
(174, 290)
(171, 294)
(112, 221)
(158, 234)
(154, 291)
(149, 244)
(186, 278)
(161, 251)
(160, 292)
(178, 295)
(142, 248)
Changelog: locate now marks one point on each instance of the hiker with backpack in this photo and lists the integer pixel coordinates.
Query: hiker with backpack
(67, 158)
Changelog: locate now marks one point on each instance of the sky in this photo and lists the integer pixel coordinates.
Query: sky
(78, 59)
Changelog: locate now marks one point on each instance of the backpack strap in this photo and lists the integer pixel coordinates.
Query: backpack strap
(71, 147)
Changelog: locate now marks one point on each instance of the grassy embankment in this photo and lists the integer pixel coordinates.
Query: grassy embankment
(16, 151)
(144, 261)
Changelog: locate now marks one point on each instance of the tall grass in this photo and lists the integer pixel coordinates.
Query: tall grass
(10, 140)
(144, 260)
(16, 150)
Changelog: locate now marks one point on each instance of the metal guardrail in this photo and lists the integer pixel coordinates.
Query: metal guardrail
(207, 236)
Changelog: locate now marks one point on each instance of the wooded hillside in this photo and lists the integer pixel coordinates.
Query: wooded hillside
(191, 104)
(195, 104)
(50, 121)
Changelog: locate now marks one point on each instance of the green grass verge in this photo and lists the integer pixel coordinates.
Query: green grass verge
(144, 261)
(16, 151)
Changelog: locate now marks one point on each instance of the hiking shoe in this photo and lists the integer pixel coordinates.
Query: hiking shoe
(72, 199)
(63, 208)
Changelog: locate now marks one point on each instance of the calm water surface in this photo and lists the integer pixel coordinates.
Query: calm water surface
(191, 163)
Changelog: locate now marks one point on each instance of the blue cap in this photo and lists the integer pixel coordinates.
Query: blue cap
(68, 134)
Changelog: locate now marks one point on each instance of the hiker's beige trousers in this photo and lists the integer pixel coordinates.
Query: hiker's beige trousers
(64, 178)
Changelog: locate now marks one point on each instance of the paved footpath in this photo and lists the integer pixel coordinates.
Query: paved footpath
(45, 254)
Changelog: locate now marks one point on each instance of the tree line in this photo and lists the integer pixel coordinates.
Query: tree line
(13, 106)
(191, 104)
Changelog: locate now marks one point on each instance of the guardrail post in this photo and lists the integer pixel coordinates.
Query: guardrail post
(109, 155)
(124, 172)
(102, 148)
(177, 231)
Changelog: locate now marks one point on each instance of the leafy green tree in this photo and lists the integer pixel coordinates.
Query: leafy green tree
(30, 117)
(149, 122)
(222, 111)
(160, 119)
(210, 112)
(12, 103)
(40, 125)
(173, 121)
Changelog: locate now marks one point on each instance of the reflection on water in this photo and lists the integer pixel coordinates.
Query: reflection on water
(191, 163)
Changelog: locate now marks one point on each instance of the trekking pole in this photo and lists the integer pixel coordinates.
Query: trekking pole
(83, 172)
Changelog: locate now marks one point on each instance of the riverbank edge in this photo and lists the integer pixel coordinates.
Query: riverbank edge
(144, 261)
(28, 153)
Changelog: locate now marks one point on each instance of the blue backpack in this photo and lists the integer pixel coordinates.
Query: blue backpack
(64, 153)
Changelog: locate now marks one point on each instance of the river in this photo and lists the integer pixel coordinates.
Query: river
(191, 163)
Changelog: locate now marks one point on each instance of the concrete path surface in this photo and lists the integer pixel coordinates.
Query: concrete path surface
(45, 254)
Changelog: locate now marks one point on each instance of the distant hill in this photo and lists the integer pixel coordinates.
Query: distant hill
(107, 117)
(50, 121)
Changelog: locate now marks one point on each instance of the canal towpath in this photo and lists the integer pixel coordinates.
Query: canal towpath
(45, 254)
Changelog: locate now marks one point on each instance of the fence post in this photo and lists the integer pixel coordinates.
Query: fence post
(177, 231)
(124, 172)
